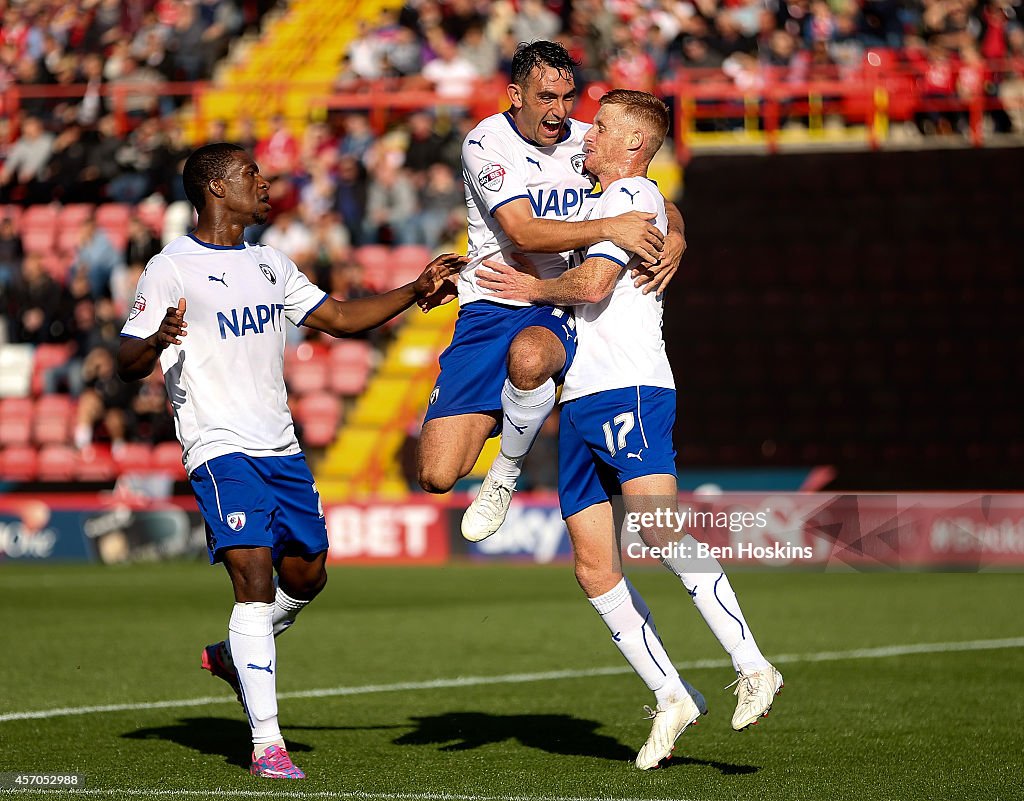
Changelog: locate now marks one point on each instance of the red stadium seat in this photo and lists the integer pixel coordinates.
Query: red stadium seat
(11, 212)
(53, 419)
(15, 421)
(68, 238)
(40, 217)
(113, 219)
(152, 214)
(135, 457)
(95, 464)
(38, 240)
(57, 463)
(350, 364)
(167, 459)
(47, 355)
(18, 463)
(305, 368)
(318, 415)
(74, 214)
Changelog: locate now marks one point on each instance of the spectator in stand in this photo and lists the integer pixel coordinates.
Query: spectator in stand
(277, 153)
(442, 207)
(631, 67)
(149, 417)
(535, 21)
(12, 252)
(137, 161)
(69, 158)
(141, 245)
(424, 146)
(479, 50)
(331, 245)
(187, 47)
(93, 104)
(96, 258)
(23, 178)
(390, 206)
(105, 398)
(320, 188)
(938, 84)
(101, 165)
(222, 21)
(292, 237)
(1011, 88)
(452, 77)
(403, 56)
(358, 137)
(350, 200)
(32, 303)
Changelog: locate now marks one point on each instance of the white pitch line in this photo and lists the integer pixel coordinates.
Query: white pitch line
(882, 652)
(327, 794)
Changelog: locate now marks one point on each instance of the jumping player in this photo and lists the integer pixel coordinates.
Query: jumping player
(615, 433)
(525, 184)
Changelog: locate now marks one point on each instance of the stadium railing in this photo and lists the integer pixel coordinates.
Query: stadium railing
(752, 108)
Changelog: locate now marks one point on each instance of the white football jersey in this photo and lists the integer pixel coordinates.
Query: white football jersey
(226, 378)
(500, 165)
(619, 339)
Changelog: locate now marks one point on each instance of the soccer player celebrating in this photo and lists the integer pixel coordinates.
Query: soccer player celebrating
(212, 310)
(615, 432)
(524, 177)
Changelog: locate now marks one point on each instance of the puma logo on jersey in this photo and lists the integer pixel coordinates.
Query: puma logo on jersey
(638, 455)
(221, 279)
(632, 195)
(535, 163)
(478, 142)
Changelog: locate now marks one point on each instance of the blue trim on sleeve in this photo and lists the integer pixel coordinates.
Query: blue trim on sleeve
(132, 336)
(606, 256)
(508, 200)
(198, 241)
(306, 315)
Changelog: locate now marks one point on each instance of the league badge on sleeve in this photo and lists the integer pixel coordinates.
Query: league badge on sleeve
(491, 177)
(236, 521)
(138, 307)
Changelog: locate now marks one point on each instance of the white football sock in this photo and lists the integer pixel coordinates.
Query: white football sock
(715, 599)
(523, 413)
(629, 620)
(285, 610)
(251, 634)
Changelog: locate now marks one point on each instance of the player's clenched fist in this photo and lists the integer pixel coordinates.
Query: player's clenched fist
(436, 272)
(172, 326)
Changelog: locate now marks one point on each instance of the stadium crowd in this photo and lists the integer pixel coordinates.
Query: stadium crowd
(341, 184)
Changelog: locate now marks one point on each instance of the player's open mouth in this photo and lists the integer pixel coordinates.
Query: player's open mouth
(553, 128)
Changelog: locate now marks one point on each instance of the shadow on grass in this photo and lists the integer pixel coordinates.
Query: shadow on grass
(725, 768)
(556, 734)
(228, 738)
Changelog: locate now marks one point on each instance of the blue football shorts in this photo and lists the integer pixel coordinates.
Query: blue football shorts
(269, 501)
(610, 437)
(475, 365)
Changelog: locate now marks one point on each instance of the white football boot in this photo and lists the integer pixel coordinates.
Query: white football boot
(754, 695)
(487, 512)
(670, 721)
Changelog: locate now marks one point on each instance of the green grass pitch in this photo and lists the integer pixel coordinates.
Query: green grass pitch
(852, 723)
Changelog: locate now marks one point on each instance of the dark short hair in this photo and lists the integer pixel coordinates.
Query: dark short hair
(204, 165)
(540, 54)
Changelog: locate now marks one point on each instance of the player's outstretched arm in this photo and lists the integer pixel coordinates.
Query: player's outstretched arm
(634, 231)
(591, 282)
(343, 317)
(656, 277)
(136, 358)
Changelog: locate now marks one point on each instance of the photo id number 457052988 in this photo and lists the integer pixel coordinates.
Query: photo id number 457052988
(15, 781)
